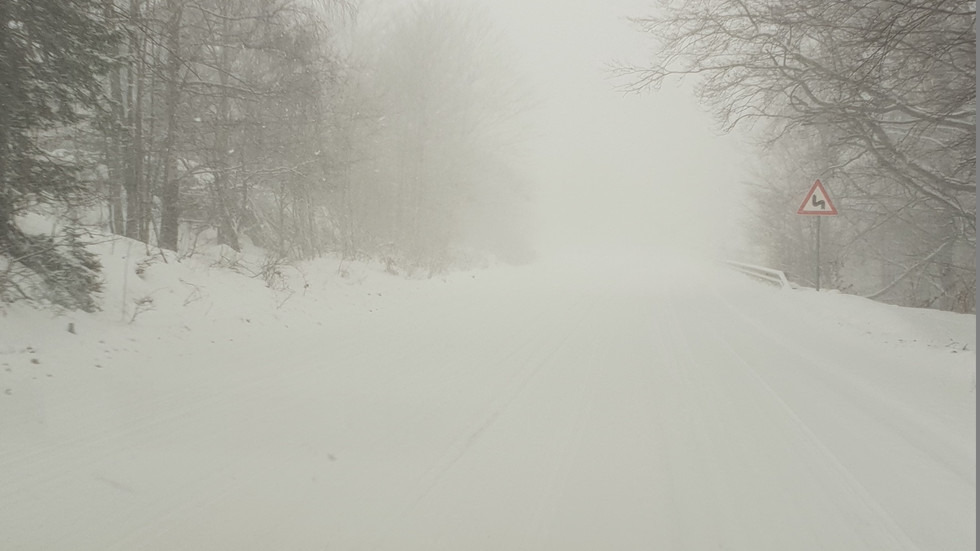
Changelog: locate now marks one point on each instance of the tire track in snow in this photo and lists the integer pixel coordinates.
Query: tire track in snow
(400, 356)
(564, 456)
(546, 346)
(482, 328)
(899, 539)
(861, 394)
(380, 361)
(90, 448)
(934, 518)
(699, 458)
(619, 476)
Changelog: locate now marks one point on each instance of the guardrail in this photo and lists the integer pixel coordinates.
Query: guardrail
(769, 275)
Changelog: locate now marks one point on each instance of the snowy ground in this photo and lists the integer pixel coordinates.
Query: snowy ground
(612, 403)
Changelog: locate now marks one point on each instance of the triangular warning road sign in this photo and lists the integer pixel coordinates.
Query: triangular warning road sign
(817, 202)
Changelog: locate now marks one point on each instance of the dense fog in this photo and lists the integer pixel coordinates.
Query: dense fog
(437, 135)
(616, 168)
(466, 275)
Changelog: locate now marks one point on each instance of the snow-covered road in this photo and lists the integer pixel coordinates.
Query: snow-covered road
(582, 406)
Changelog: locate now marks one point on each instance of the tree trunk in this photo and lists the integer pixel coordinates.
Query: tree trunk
(8, 92)
(116, 137)
(170, 194)
(227, 234)
(133, 182)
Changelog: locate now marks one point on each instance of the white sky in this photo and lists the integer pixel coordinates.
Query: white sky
(616, 170)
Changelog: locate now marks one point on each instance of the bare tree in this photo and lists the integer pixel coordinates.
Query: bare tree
(889, 84)
(422, 141)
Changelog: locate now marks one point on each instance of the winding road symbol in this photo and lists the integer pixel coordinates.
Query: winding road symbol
(817, 202)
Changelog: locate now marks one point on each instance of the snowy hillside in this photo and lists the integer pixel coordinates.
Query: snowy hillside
(623, 402)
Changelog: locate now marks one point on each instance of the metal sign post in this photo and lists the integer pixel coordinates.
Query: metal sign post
(818, 253)
(817, 203)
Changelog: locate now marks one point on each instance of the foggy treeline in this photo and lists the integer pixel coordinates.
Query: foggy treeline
(300, 126)
(387, 131)
(877, 99)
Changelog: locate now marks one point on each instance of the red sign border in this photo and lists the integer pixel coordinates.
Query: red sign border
(813, 188)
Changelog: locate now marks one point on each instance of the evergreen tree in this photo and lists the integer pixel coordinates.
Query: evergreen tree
(53, 54)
